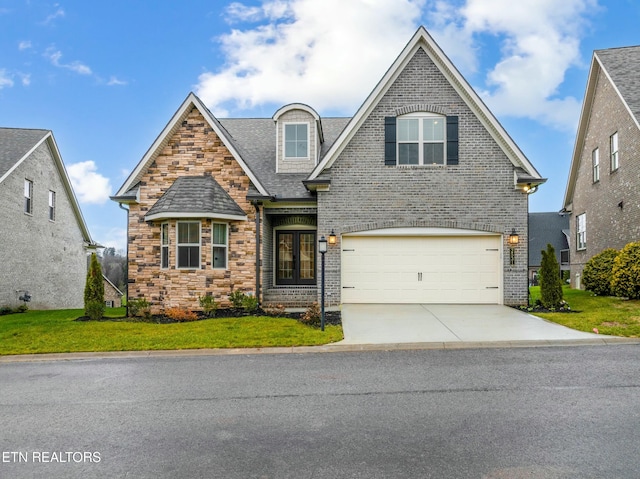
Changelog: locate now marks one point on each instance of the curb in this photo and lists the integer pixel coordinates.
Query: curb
(328, 348)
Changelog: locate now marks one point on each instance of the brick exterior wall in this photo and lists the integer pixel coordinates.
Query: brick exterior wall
(46, 258)
(295, 165)
(477, 194)
(193, 150)
(608, 225)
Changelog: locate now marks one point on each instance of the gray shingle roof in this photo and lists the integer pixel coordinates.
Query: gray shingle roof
(255, 139)
(623, 66)
(15, 143)
(194, 195)
(545, 228)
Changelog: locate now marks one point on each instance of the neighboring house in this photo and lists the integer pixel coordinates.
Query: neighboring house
(547, 228)
(602, 189)
(44, 240)
(112, 295)
(421, 191)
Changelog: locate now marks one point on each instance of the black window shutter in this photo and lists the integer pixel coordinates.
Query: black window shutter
(452, 140)
(390, 140)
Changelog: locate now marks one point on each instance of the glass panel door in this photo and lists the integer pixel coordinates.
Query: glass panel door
(296, 257)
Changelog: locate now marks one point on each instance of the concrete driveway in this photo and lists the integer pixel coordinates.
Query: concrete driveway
(447, 323)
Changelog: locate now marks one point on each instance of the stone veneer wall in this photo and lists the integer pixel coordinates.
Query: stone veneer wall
(46, 258)
(477, 194)
(608, 225)
(194, 149)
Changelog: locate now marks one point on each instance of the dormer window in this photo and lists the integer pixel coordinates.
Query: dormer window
(296, 140)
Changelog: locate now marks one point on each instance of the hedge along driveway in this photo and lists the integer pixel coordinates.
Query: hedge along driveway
(608, 315)
(56, 332)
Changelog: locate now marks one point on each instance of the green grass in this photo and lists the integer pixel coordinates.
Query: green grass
(57, 332)
(614, 316)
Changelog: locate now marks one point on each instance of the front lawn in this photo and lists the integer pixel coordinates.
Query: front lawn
(57, 332)
(614, 316)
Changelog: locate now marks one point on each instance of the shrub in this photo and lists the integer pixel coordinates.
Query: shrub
(5, 310)
(23, 308)
(208, 305)
(236, 298)
(625, 274)
(276, 310)
(250, 303)
(181, 315)
(312, 315)
(94, 290)
(550, 282)
(139, 307)
(596, 275)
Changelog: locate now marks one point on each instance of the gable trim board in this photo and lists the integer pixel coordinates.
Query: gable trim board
(597, 67)
(422, 40)
(192, 101)
(50, 141)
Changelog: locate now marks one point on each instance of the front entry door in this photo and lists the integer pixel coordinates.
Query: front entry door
(296, 257)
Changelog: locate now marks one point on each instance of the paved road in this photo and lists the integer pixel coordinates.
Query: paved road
(487, 413)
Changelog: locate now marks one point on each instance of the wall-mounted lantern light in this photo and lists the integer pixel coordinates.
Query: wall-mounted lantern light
(513, 241)
(332, 238)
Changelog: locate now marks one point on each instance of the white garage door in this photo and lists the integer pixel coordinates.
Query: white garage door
(422, 269)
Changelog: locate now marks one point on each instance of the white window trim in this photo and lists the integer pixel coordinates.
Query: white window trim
(29, 211)
(595, 164)
(581, 233)
(421, 141)
(614, 149)
(217, 245)
(164, 246)
(199, 245)
(52, 206)
(284, 140)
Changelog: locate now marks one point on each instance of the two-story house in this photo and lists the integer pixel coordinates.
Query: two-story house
(602, 189)
(44, 240)
(422, 195)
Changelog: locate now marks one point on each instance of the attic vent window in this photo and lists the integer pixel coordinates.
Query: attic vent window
(296, 140)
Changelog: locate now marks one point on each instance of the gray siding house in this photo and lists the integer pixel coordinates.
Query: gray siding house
(602, 189)
(548, 228)
(44, 239)
(422, 195)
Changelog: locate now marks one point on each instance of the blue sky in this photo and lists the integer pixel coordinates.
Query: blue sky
(106, 77)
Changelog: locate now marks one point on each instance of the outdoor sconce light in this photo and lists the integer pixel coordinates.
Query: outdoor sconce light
(332, 238)
(513, 240)
(322, 245)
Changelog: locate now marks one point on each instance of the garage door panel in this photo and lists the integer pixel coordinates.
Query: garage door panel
(456, 269)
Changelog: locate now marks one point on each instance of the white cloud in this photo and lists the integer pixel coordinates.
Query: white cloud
(25, 78)
(5, 79)
(540, 41)
(114, 81)
(59, 13)
(89, 185)
(54, 57)
(113, 238)
(24, 45)
(299, 56)
(292, 53)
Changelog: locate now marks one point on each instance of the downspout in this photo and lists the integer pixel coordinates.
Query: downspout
(126, 279)
(257, 207)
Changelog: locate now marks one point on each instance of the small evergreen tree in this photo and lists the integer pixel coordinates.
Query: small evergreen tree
(550, 281)
(94, 290)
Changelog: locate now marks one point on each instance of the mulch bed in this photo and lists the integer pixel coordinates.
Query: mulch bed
(331, 317)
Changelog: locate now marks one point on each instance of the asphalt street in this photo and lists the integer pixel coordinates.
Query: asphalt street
(560, 412)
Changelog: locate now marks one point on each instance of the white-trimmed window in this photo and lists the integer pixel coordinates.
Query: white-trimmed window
(595, 162)
(52, 205)
(164, 245)
(28, 197)
(581, 231)
(220, 242)
(296, 140)
(188, 244)
(613, 143)
(421, 139)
